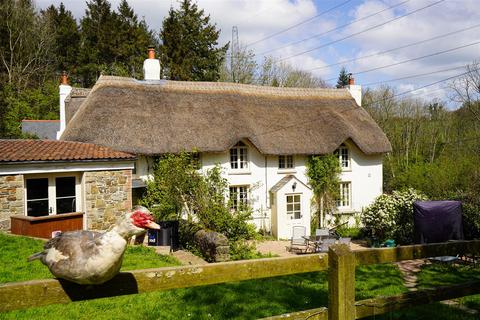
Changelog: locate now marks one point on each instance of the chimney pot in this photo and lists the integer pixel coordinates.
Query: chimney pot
(151, 53)
(64, 78)
(351, 80)
(151, 66)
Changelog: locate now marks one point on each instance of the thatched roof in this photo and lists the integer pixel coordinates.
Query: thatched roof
(156, 117)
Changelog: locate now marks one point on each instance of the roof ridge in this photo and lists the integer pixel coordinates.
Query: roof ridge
(226, 87)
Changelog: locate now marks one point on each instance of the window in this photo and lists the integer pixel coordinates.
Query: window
(238, 197)
(285, 162)
(37, 197)
(345, 194)
(293, 206)
(344, 157)
(239, 156)
(51, 195)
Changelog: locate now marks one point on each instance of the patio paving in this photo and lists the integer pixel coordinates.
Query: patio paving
(279, 247)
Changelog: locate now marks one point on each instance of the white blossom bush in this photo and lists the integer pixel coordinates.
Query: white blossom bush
(390, 216)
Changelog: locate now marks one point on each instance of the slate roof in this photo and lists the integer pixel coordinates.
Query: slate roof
(43, 129)
(16, 150)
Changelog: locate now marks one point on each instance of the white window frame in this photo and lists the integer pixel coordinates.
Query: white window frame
(344, 157)
(52, 198)
(241, 193)
(287, 161)
(294, 214)
(345, 196)
(239, 156)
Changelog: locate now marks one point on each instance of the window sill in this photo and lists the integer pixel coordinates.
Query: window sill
(239, 172)
(345, 210)
(346, 169)
(285, 171)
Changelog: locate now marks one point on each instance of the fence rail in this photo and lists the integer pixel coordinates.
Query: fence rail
(340, 262)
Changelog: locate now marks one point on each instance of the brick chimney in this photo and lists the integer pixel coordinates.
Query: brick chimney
(355, 90)
(65, 90)
(151, 66)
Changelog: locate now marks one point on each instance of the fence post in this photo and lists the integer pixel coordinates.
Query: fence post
(341, 283)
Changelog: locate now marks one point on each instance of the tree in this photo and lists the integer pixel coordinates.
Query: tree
(323, 174)
(33, 103)
(99, 40)
(466, 89)
(239, 67)
(25, 45)
(134, 37)
(343, 78)
(189, 51)
(66, 33)
(280, 74)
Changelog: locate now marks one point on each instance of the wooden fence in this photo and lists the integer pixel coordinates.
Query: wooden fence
(340, 261)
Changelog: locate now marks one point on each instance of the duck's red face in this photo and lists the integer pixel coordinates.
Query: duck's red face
(143, 220)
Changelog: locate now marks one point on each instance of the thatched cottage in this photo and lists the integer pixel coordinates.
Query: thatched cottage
(261, 136)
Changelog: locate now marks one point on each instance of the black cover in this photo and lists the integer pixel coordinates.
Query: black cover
(437, 221)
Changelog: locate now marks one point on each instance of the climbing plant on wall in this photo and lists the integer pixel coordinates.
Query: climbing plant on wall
(323, 172)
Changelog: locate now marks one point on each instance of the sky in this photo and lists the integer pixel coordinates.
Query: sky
(337, 31)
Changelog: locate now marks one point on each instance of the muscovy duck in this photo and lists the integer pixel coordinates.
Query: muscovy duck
(89, 257)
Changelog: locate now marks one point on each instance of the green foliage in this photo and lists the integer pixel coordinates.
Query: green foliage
(343, 78)
(112, 42)
(189, 51)
(323, 174)
(350, 232)
(179, 189)
(65, 30)
(36, 104)
(391, 216)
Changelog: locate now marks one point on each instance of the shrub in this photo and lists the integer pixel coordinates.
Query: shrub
(391, 216)
(180, 190)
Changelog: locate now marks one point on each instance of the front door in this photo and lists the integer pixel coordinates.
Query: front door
(294, 212)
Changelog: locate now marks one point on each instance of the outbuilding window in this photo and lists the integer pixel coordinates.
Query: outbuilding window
(239, 156)
(47, 195)
(238, 197)
(294, 206)
(285, 162)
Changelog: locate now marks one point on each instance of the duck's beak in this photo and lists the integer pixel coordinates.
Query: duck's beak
(152, 225)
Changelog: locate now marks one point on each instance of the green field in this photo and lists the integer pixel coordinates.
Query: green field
(240, 300)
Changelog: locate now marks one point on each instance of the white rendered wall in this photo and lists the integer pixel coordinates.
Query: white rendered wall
(365, 175)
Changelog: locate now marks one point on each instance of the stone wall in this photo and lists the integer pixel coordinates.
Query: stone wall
(11, 199)
(108, 195)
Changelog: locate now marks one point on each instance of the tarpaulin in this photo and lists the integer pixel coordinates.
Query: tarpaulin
(437, 221)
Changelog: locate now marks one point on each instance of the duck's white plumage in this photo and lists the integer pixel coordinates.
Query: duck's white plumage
(89, 257)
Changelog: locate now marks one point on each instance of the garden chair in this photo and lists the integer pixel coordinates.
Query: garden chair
(299, 241)
(321, 233)
(325, 244)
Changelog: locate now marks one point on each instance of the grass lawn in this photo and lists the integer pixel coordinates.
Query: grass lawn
(435, 275)
(240, 300)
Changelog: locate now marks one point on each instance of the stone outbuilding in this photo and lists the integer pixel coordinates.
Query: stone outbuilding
(48, 186)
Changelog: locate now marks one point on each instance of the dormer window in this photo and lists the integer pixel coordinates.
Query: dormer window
(239, 156)
(285, 162)
(344, 157)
